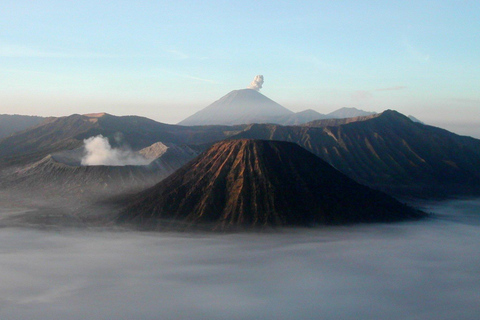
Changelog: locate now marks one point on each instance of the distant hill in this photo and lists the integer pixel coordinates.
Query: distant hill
(299, 118)
(15, 123)
(311, 116)
(238, 107)
(260, 183)
(415, 119)
(249, 106)
(332, 122)
(389, 152)
(347, 113)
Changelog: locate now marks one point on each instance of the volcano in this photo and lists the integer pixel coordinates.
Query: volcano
(61, 176)
(238, 107)
(260, 183)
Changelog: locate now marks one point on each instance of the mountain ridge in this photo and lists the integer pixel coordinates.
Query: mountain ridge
(246, 106)
(12, 123)
(389, 152)
(67, 133)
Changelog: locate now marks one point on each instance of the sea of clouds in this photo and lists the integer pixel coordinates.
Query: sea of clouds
(415, 270)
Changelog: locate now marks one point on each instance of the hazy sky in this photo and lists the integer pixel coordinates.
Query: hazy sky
(168, 59)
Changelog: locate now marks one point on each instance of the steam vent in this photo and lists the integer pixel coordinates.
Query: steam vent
(260, 183)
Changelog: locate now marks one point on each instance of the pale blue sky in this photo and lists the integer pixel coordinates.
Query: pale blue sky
(168, 59)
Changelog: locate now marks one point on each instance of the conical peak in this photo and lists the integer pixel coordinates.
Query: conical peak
(392, 115)
(238, 107)
(245, 96)
(260, 152)
(256, 183)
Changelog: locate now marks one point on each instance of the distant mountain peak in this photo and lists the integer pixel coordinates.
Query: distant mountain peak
(348, 113)
(393, 114)
(238, 107)
(96, 115)
(299, 118)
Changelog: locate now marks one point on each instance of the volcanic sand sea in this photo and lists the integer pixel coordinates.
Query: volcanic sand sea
(416, 270)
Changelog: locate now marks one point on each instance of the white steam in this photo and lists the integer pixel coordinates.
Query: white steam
(257, 83)
(99, 152)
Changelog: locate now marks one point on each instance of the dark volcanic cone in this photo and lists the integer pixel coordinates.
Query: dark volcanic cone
(257, 183)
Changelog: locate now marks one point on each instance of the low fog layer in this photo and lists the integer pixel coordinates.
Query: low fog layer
(421, 270)
(99, 152)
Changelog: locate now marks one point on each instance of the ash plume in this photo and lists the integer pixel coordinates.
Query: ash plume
(99, 152)
(257, 83)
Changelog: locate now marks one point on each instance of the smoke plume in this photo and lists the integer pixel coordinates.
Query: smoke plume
(99, 152)
(257, 83)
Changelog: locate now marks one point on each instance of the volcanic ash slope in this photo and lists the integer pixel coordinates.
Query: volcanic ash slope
(259, 183)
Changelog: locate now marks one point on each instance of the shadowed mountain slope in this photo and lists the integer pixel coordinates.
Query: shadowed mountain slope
(53, 135)
(61, 175)
(258, 183)
(15, 123)
(389, 152)
(238, 107)
(336, 122)
(67, 133)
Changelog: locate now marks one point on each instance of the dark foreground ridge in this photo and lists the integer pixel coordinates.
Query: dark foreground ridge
(260, 183)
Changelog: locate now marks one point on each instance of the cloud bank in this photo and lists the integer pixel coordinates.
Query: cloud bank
(418, 270)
